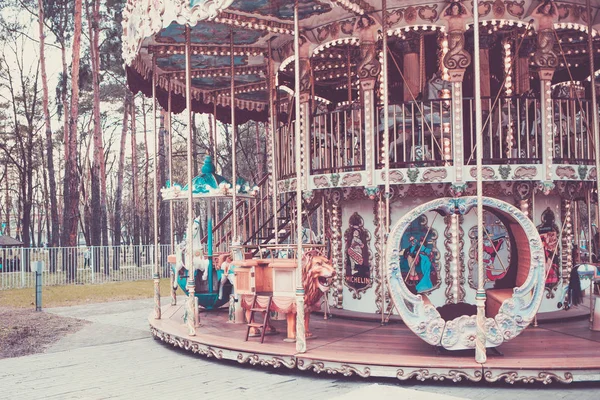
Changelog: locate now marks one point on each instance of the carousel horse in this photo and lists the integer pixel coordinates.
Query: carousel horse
(198, 261)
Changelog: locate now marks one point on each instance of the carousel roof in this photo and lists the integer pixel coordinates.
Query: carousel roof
(7, 241)
(154, 34)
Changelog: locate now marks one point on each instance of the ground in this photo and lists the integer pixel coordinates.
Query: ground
(25, 331)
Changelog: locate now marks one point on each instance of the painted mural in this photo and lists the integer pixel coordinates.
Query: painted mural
(549, 233)
(496, 251)
(419, 261)
(281, 9)
(357, 268)
(176, 62)
(209, 33)
(220, 82)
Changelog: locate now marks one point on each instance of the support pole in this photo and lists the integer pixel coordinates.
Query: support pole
(233, 144)
(595, 128)
(480, 350)
(386, 161)
(273, 132)
(300, 328)
(170, 128)
(157, 312)
(191, 307)
(171, 231)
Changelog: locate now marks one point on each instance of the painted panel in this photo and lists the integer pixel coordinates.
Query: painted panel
(221, 82)
(419, 262)
(280, 9)
(176, 62)
(209, 33)
(357, 266)
(352, 300)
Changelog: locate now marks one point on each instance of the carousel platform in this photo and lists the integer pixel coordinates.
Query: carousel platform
(558, 350)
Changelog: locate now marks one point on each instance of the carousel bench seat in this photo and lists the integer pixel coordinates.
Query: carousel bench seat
(494, 300)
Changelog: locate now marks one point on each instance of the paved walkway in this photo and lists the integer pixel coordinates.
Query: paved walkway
(115, 357)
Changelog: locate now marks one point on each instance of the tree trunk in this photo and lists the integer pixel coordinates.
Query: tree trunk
(119, 188)
(65, 104)
(98, 228)
(146, 227)
(53, 234)
(71, 181)
(134, 191)
(7, 201)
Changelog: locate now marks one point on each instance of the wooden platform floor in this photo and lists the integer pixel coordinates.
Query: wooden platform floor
(563, 351)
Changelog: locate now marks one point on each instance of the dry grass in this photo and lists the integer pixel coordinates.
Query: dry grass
(24, 331)
(69, 295)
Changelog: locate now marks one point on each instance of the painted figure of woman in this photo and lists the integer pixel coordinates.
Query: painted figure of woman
(355, 251)
(417, 255)
(549, 242)
(490, 251)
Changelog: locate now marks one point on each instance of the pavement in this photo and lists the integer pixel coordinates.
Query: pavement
(115, 357)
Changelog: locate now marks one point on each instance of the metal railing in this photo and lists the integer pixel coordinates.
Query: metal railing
(511, 130)
(80, 265)
(420, 134)
(286, 154)
(337, 141)
(573, 138)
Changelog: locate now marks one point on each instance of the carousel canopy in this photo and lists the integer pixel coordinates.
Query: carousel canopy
(208, 180)
(208, 185)
(154, 36)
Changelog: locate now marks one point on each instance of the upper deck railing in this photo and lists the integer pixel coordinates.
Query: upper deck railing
(421, 135)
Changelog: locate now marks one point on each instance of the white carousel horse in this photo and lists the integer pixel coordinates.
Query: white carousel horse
(198, 260)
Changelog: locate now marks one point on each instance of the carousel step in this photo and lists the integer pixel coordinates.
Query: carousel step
(255, 308)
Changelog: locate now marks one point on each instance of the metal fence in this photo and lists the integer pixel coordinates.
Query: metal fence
(80, 265)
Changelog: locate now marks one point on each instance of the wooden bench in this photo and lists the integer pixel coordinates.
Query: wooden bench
(495, 297)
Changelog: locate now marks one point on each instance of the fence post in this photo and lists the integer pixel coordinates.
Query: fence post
(22, 265)
(38, 266)
(92, 252)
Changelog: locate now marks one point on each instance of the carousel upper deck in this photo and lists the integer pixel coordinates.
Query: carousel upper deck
(418, 119)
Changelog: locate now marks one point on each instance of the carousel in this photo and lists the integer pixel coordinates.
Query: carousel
(431, 184)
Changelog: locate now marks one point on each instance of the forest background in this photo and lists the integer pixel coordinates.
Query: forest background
(76, 146)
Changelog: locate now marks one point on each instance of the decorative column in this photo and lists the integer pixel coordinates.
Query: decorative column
(304, 114)
(456, 60)
(271, 138)
(302, 93)
(456, 118)
(546, 60)
(368, 69)
(567, 240)
(337, 259)
(380, 239)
